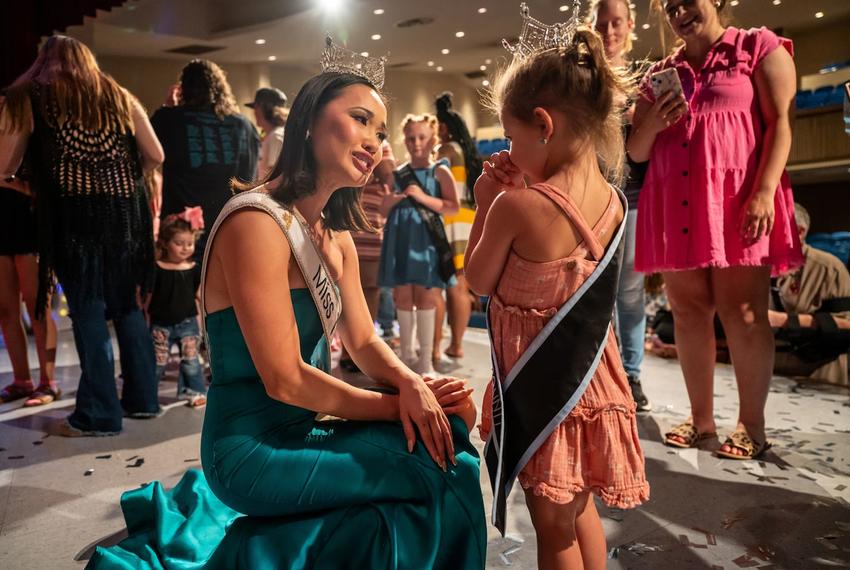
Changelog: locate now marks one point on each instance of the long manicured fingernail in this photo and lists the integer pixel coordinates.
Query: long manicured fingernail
(454, 460)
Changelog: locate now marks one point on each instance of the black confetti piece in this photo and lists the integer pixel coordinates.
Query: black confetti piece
(88, 472)
(16, 457)
(131, 458)
(139, 462)
(107, 456)
(190, 460)
(38, 442)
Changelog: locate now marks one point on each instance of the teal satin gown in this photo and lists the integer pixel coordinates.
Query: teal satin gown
(282, 490)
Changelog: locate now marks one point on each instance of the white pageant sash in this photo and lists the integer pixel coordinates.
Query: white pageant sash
(310, 262)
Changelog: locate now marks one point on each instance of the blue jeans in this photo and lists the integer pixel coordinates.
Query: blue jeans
(631, 311)
(386, 311)
(186, 335)
(98, 407)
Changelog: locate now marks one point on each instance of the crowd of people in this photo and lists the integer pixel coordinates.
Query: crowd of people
(189, 220)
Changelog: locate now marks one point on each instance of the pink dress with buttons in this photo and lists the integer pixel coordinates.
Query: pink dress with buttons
(703, 168)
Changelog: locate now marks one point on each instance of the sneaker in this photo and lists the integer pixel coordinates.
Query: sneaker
(641, 401)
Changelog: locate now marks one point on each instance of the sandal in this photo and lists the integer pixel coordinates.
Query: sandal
(15, 391)
(43, 395)
(197, 401)
(687, 431)
(741, 440)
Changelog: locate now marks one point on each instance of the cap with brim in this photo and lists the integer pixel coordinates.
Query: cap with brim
(268, 96)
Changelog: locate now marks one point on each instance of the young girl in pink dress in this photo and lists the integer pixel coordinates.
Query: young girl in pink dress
(716, 213)
(531, 250)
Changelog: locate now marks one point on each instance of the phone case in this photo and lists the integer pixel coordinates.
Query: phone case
(664, 81)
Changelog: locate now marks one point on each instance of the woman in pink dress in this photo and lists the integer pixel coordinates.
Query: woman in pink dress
(716, 211)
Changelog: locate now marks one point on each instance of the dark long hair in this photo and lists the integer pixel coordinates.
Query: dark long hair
(204, 84)
(459, 133)
(296, 165)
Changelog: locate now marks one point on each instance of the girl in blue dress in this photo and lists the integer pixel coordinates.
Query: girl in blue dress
(408, 255)
(395, 484)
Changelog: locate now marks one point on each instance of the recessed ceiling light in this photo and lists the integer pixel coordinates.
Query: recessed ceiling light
(272, 58)
(818, 14)
(444, 51)
(485, 83)
(376, 36)
(777, 2)
(563, 8)
(364, 53)
(459, 34)
(259, 41)
(482, 10)
(430, 64)
(483, 68)
(645, 26)
(439, 68)
(378, 12)
(331, 5)
(488, 61)
(734, 2)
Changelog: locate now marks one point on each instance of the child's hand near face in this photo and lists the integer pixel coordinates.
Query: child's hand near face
(499, 174)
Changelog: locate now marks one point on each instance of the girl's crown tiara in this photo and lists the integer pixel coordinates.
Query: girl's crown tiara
(536, 37)
(336, 58)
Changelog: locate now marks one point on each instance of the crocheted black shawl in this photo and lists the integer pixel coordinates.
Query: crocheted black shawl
(92, 209)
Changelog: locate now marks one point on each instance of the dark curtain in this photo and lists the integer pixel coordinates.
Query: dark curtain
(24, 22)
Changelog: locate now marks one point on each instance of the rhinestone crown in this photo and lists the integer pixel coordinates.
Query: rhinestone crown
(536, 37)
(336, 58)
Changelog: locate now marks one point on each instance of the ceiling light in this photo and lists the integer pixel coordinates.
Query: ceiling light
(444, 51)
(272, 58)
(376, 36)
(488, 61)
(259, 41)
(430, 64)
(459, 34)
(563, 8)
(818, 14)
(331, 5)
(734, 2)
(777, 2)
(378, 12)
(485, 83)
(483, 68)
(482, 10)
(439, 68)
(364, 53)
(645, 26)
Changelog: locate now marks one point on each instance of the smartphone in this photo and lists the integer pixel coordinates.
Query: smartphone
(405, 177)
(665, 81)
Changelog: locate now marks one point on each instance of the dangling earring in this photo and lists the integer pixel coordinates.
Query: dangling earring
(307, 137)
(544, 140)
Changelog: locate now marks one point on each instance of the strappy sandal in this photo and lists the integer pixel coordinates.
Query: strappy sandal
(14, 391)
(197, 401)
(42, 396)
(741, 440)
(689, 433)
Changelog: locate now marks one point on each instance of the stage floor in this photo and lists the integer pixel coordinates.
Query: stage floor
(789, 510)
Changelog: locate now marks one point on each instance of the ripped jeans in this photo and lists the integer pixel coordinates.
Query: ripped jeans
(187, 336)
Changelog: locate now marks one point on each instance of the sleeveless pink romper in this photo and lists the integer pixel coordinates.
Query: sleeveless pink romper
(596, 447)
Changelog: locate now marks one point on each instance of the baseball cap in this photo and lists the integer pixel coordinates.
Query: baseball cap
(268, 96)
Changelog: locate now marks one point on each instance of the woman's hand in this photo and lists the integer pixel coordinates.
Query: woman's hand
(417, 405)
(451, 393)
(666, 111)
(757, 216)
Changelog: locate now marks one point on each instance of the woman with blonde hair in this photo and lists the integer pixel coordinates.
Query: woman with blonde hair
(86, 141)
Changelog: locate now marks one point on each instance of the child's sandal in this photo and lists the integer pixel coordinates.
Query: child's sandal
(42, 396)
(15, 391)
(691, 437)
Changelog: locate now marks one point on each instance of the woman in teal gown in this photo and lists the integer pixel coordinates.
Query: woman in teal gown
(395, 484)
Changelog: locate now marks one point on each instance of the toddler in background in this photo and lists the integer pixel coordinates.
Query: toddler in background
(172, 309)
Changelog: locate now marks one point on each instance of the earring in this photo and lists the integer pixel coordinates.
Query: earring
(307, 137)
(544, 140)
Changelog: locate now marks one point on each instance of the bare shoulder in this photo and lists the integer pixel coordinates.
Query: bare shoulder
(247, 230)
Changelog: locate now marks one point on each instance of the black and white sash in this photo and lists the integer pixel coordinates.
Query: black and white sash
(551, 375)
(310, 262)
